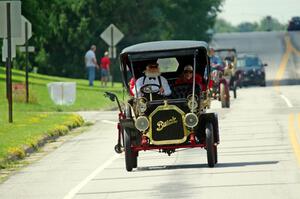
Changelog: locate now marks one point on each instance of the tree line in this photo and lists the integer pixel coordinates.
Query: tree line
(267, 23)
(65, 29)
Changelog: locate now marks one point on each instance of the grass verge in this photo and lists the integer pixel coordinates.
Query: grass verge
(26, 136)
(39, 120)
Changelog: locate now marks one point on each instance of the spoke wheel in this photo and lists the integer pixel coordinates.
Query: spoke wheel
(129, 160)
(216, 154)
(223, 95)
(210, 147)
(234, 89)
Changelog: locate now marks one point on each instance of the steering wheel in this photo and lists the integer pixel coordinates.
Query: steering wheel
(148, 89)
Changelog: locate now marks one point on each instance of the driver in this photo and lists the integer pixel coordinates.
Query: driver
(215, 61)
(152, 77)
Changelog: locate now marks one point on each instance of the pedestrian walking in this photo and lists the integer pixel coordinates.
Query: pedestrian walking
(105, 69)
(91, 64)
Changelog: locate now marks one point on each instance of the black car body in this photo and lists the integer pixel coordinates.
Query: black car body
(252, 69)
(168, 123)
(294, 24)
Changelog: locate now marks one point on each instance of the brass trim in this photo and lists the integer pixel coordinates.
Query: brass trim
(185, 130)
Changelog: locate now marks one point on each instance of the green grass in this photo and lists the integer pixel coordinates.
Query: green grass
(28, 129)
(41, 117)
(87, 98)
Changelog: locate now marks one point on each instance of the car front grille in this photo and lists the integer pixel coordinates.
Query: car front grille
(167, 126)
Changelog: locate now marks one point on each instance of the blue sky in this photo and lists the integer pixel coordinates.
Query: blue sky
(236, 11)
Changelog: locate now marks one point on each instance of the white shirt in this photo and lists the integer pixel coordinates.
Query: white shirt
(89, 56)
(140, 82)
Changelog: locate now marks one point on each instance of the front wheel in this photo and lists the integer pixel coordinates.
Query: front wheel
(234, 89)
(210, 147)
(130, 155)
(216, 154)
(263, 83)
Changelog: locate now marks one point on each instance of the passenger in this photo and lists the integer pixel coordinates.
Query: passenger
(131, 86)
(152, 76)
(215, 61)
(187, 77)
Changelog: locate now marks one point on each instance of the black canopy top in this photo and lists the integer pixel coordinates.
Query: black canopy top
(135, 58)
(225, 49)
(164, 46)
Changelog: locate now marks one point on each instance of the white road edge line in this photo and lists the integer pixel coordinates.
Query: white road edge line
(76, 189)
(109, 122)
(287, 101)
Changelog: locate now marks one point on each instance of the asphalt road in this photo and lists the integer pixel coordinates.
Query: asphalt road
(256, 159)
(280, 50)
(259, 154)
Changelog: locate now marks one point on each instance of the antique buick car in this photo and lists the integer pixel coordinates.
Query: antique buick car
(230, 72)
(166, 123)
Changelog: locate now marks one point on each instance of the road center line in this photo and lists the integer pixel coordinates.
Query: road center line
(287, 101)
(283, 63)
(76, 189)
(293, 137)
(299, 121)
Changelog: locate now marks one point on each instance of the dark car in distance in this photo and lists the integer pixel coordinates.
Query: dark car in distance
(294, 24)
(252, 69)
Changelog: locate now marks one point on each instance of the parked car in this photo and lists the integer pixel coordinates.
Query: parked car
(252, 69)
(294, 24)
(166, 124)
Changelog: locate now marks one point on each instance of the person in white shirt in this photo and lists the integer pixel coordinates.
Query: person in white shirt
(152, 77)
(91, 64)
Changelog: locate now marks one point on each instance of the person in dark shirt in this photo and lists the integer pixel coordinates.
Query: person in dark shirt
(187, 77)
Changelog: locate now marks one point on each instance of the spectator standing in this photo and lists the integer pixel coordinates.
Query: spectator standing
(91, 64)
(105, 69)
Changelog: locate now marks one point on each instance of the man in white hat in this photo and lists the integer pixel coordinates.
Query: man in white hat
(105, 69)
(152, 76)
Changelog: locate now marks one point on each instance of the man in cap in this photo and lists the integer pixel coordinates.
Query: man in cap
(105, 69)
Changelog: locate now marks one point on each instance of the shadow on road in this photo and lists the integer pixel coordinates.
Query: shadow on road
(195, 166)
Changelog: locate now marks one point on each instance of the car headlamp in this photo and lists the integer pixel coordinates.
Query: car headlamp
(191, 120)
(142, 123)
(192, 104)
(142, 105)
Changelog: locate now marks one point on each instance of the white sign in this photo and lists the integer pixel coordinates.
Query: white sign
(112, 35)
(30, 49)
(21, 40)
(15, 13)
(4, 50)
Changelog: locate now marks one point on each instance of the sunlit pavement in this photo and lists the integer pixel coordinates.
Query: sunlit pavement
(258, 153)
